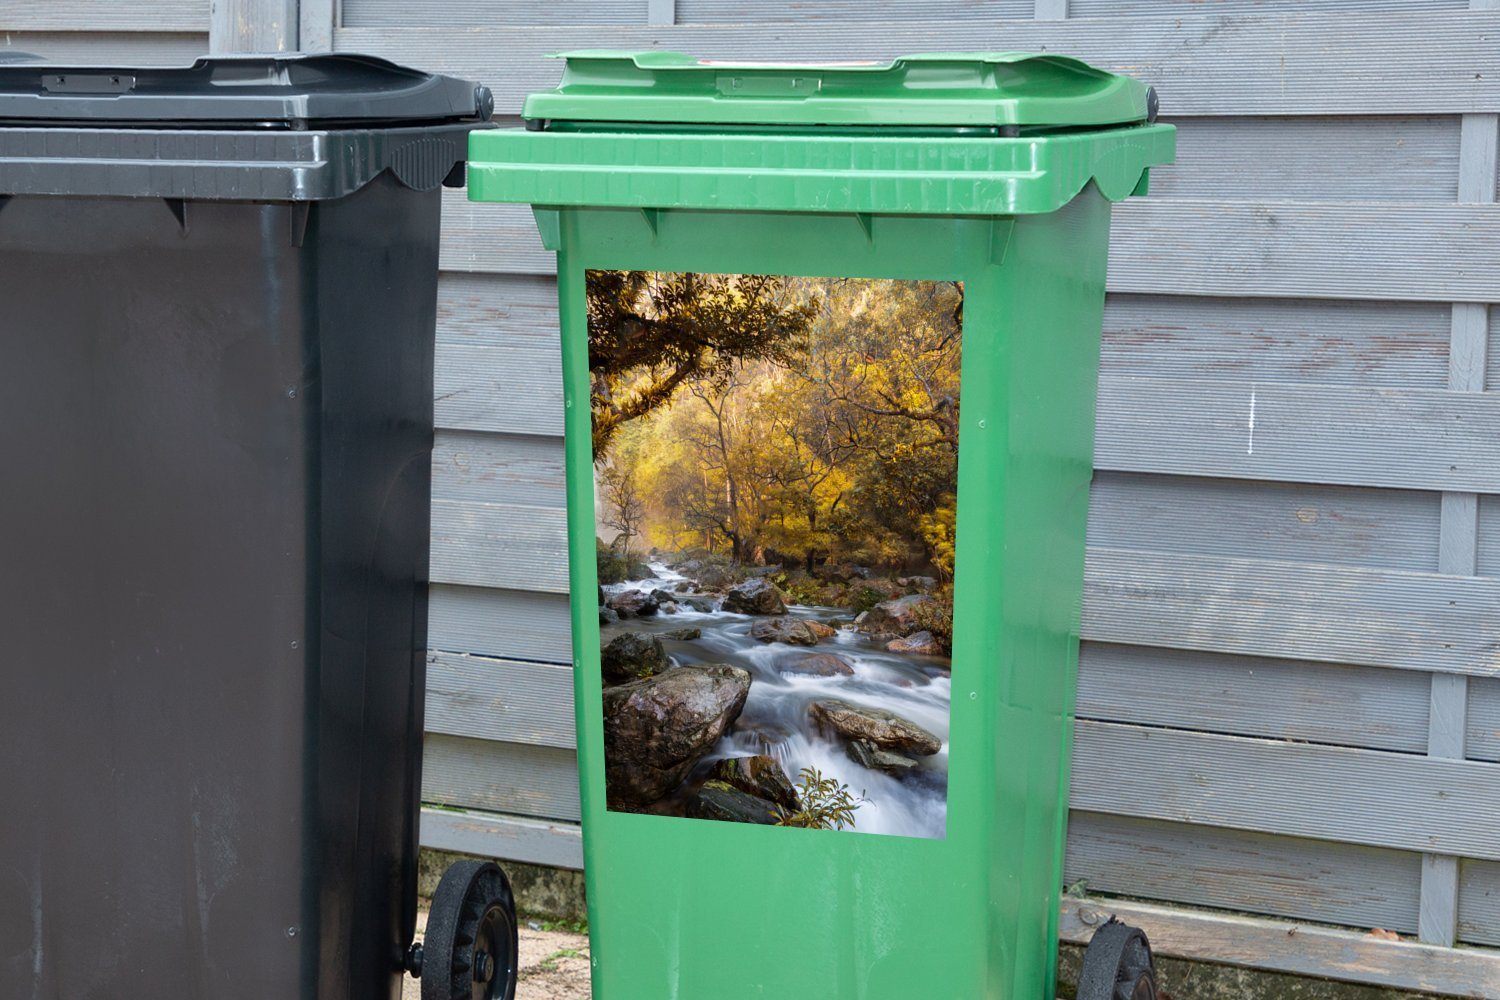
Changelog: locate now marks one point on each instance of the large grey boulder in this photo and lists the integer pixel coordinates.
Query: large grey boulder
(658, 728)
(885, 730)
(755, 597)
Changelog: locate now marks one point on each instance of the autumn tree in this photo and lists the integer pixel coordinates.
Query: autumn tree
(624, 508)
(651, 333)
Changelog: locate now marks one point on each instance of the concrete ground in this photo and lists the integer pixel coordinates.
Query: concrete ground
(554, 965)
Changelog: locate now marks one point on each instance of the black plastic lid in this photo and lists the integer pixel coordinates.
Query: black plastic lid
(258, 91)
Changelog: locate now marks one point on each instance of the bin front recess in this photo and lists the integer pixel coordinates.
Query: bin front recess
(217, 303)
(777, 283)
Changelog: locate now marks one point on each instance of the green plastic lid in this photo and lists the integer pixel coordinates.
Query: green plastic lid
(939, 89)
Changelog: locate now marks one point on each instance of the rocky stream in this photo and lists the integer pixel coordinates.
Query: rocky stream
(716, 698)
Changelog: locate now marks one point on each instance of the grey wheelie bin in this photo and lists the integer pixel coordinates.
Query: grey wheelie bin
(217, 306)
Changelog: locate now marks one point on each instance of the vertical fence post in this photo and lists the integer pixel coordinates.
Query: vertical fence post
(252, 26)
(1458, 539)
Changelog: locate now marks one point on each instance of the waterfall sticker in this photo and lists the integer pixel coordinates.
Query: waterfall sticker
(775, 470)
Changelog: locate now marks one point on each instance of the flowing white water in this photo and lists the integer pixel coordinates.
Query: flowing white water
(775, 720)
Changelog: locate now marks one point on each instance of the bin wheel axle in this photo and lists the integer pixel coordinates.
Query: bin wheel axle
(1117, 965)
(471, 948)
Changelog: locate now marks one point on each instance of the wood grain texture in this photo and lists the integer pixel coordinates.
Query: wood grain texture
(1358, 436)
(1479, 903)
(1482, 734)
(253, 26)
(509, 701)
(1297, 789)
(1345, 63)
(511, 838)
(1250, 872)
(97, 48)
(731, 12)
(115, 15)
(482, 13)
(523, 624)
(1254, 696)
(514, 778)
(1181, 246)
(1287, 946)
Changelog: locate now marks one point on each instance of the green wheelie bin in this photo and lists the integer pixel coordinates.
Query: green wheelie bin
(825, 618)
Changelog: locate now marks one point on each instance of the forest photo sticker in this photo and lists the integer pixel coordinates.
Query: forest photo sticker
(776, 468)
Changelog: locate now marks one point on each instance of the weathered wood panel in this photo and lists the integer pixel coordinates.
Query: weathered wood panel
(1180, 246)
(1412, 158)
(1155, 8)
(1300, 949)
(803, 11)
(491, 697)
(114, 15)
(1488, 541)
(1254, 696)
(523, 624)
(1319, 341)
(1250, 872)
(1412, 621)
(1482, 732)
(514, 838)
(119, 48)
(1256, 607)
(506, 700)
(481, 13)
(500, 777)
(1479, 903)
(1353, 526)
(1394, 529)
(488, 545)
(1385, 63)
(1404, 438)
(1296, 789)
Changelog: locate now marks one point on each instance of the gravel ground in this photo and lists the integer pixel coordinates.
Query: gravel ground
(554, 965)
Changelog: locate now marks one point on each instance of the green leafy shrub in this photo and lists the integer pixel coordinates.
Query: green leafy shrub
(825, 804)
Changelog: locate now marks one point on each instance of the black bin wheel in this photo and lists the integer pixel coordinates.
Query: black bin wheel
(471, 948)
(1117, 965)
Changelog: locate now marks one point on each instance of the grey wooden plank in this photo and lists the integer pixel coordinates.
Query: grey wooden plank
(253, 26)
(1395, 529)
(115, 15)
(519, 624)
(503, 700)
(508, 838)
(500, 777)
(490, 545)
(1354, 435)
(1050, 10)
(1479, 903)
(1367, 707)
(1157, 8)
(1411, 621)
(316, 20)
(1250, 872)
(1252, 607)
(1487, 541)
(1339, 525)
(1370, 797)
(1180, 246)
(498, 468)
(661, 12)
(1380, 63)
(118, 48)
(1482, 732)
(1199, 246)
(1492, 354)
(1293, 947)
(519, 702)
(1437, 912)
(1401, 158)
(732, 12)
(509, 13)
